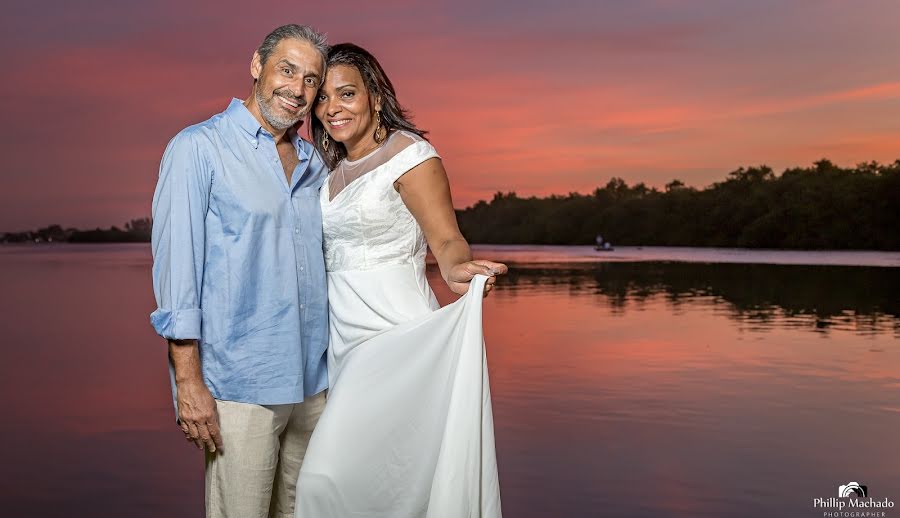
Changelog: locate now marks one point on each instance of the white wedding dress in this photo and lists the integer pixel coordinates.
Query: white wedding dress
(407, 430)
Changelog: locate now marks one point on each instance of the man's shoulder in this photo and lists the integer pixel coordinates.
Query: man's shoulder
(197, 138)
(201, 130)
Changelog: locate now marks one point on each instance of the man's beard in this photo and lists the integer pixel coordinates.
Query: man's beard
(272, 114)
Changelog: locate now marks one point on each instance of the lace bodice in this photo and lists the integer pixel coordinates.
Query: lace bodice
(366, 225)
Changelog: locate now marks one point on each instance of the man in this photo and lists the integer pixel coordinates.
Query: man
(239, 279)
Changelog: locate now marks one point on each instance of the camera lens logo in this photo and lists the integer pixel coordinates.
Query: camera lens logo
(853, 488)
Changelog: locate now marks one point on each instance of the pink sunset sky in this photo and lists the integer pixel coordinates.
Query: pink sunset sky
(536, 97)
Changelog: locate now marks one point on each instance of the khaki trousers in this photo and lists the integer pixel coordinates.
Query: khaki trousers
(254, 474)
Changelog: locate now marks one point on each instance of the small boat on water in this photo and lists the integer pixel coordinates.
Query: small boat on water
(602, 245)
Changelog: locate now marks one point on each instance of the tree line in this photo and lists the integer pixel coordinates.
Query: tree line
(135, 231)
(818, 207)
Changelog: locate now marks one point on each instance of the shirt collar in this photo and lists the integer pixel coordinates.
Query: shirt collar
(245, 120)
(248, 123)
(302, 146)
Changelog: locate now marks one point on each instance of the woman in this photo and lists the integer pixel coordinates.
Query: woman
(407, 430)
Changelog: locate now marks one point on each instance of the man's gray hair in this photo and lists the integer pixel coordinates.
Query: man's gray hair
(300, 32)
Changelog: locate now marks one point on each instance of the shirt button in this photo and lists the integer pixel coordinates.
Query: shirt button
(302, 306)
(296, 231)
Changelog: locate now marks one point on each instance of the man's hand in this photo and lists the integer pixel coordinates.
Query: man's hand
(460, 276)
(197, 414)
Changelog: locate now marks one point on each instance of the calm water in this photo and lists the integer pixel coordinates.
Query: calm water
(638, 386)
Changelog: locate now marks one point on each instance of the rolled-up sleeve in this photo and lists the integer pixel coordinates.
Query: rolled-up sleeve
(180, 206)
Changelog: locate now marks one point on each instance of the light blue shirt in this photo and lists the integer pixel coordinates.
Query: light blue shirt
(237, 259)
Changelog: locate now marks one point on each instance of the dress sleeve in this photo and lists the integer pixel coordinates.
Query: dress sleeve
(410, 157)
(180, 204)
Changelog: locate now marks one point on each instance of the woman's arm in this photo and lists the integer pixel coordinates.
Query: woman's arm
(426, 192)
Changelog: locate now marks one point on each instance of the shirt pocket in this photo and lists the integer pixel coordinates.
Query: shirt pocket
(248, 209)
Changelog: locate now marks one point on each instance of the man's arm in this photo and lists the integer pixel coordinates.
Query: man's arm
(197, 413)
(180, 204)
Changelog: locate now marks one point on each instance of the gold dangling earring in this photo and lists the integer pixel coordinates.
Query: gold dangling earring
(380, 131)
(325, 141)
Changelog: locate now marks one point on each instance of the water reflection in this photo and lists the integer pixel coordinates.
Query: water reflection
(818, 298)
(619, 389)
(672, 389)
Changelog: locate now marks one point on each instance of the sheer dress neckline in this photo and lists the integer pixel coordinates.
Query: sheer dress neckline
(349, 172)
(370, 153)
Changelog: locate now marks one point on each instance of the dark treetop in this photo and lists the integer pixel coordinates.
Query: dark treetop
(819, 207)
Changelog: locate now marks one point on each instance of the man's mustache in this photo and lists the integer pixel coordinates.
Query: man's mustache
(291, 97)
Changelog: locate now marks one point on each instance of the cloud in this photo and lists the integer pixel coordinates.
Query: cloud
(538, 99)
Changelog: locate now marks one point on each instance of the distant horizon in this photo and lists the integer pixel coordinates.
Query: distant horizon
(100, 226)
(660, 188)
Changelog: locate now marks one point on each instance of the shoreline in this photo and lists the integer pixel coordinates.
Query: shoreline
(547, 255)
